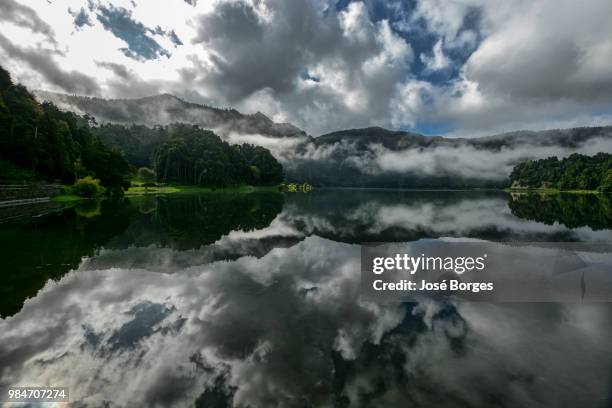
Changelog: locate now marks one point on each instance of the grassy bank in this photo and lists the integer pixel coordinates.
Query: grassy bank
(66, 198)
(139, 190)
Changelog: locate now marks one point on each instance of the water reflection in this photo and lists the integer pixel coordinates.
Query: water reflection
(570, 210)
(189, 222)
(380, 216)
(253, 301)
(36, 249)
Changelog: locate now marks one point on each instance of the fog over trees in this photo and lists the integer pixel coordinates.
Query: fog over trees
(40, 142)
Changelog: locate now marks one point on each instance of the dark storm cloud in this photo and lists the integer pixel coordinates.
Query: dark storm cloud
(254, 54)
(11, 11)
(41, 60)
(141, 46)
(233, 21)
(119, 70)
(261, 51)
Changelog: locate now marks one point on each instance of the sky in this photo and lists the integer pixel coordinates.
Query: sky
(457, 68)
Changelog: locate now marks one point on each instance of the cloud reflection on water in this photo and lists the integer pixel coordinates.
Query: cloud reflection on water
(281, 324)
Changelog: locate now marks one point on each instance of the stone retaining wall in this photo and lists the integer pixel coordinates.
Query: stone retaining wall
(27, 191)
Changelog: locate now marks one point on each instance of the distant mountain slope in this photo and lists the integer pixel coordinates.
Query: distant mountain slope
(377, 157)
(399, 140)
(388, 138)
(369, 157)
(166, 109)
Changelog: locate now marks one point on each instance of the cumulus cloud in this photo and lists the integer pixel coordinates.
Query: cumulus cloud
(333, 70)
(437, 60)
(537, 62)
(546, 53)
(469, 67)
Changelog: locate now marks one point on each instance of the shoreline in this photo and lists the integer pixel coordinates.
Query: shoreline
(137, 191)
(551, 191)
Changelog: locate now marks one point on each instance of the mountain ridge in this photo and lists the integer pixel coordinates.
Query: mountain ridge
(546, 136)
(377, 157)
(261, 123)
(364, 157)
(165, 109)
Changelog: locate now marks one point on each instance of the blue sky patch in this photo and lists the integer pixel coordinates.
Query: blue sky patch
(431, 128)
(422, 40)
(306, 75)
(81, 18)
(168, 33)
(141, 46)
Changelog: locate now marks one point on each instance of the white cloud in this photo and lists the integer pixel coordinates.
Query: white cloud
(437, 60)
(534, 65)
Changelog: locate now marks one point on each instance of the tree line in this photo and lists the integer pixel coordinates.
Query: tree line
(200, 157)
(39, 142)
(575, 172)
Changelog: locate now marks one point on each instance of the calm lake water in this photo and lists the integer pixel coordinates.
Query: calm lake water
(253, 300)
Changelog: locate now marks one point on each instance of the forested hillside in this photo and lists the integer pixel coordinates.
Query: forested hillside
(168, 109)
(187, 154)
(576, 172)
(197, 156)
(137, 143)
(40, 142)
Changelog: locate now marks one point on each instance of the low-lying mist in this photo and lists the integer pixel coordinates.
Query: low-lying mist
(463, 159)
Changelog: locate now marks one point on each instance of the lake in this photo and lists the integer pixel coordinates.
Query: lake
(218, 300)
